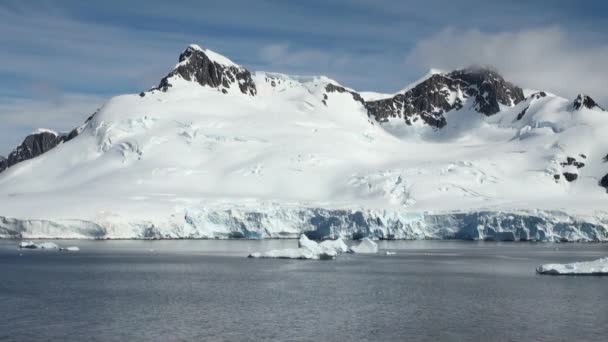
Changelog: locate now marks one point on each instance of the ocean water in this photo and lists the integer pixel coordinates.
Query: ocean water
(195, 290)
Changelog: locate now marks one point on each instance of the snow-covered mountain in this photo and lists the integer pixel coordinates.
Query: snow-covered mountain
(216, 151)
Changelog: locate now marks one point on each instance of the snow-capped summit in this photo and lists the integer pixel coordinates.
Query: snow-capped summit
(212, 55)
(210, 69)
(480, 88)
(584, 101)
(217, 151)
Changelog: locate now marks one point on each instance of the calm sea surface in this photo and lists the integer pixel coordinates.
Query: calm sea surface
(208, 291)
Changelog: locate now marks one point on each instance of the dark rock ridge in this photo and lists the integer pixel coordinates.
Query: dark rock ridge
(34, 145)
(522, 113)
(535, 96)
(194, 65)
(584, 101)
(3, 163)
(332, 88)
(431, 99)
(604, 182)
(38, 143)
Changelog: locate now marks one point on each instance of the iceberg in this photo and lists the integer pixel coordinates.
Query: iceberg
(42, 245)
(595, 267)
(288, 253)
(338, 245)
(70, 249)
(366, 246)
(307, 249)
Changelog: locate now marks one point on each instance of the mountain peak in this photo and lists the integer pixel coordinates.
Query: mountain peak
(209, 69)
(585, 101)
(489, 88)
(438, 93)
(211, 55)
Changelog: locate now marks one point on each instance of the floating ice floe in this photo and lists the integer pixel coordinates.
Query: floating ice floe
(46, 245)
(307, 249)
(390, 253)
(366, 246)
(338, 245)
(42, 245)
(595, 267)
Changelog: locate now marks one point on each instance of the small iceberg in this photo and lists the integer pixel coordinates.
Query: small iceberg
(42, 245)
(389, 253)
(366, 246)
(337, 245)
(70, 249)
(596, 267)
(307, 249)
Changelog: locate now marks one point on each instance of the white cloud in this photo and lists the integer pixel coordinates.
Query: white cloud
(547, 58)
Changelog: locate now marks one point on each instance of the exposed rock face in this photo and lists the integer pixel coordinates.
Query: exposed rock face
(604, 182)
(34, 145)
(3, 163)
(332, 88)
(572, 161)
(570, 176)
(441, 93)
(194, 65)
(522, 113)
(538, 95)
(584, 101)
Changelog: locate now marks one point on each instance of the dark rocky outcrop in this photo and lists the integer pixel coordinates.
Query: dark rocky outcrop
(522, 113)
(572, 161)
(584, 101)
(538, 95)
(570, 177)
(604, 182)
(332, 88)
(34, 145)
(194, 65)
(431, 99)
(535, 96)
(3, 163)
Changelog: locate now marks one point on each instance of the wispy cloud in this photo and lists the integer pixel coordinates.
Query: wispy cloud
(546, 58)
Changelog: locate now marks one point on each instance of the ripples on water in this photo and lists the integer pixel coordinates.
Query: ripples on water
(208, 290)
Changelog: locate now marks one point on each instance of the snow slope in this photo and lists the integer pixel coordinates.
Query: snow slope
(273, 155)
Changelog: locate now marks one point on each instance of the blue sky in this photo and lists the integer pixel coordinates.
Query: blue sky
(60, 60)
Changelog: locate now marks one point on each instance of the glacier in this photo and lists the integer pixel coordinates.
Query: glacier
(319, 224)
